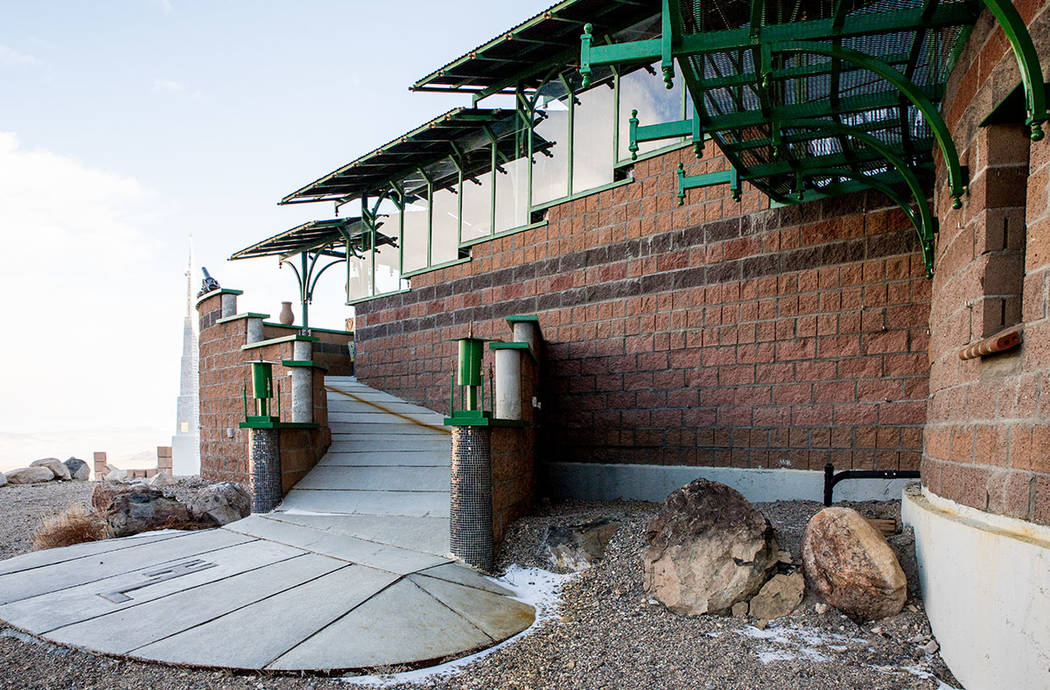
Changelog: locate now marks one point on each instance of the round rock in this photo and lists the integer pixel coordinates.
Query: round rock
(850, 565)
(55, 465)
(708, 549)
(30, 475)
(78, 469)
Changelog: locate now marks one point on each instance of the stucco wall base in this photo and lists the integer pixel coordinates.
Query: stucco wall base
(986, 585)
(607, 482)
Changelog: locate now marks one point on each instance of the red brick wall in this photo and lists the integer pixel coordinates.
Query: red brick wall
(987, 440)
(330, 350)
(224, 376)
(715, 333)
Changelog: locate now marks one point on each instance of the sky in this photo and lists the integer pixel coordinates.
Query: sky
(128, 125)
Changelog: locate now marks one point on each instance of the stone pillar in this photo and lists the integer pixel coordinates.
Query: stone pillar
(508, 383)
(229, 304)
(264, 468)
(100, 465)
(526, 332)
(254, 332)
(165, 461)
(302, 383)
(471, 496)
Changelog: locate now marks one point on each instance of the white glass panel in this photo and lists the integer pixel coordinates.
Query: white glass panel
(655, 104)
(360, 272)
(388, 257)
(592, 139)
(414, 244)
(477, 207)
(445, 231)
(550, 173)
(512, 195)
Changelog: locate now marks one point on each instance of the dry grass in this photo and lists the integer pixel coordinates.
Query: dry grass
(73, 526)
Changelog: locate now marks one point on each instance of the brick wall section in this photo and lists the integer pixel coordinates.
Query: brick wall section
(224, 376)
(715, 333)
(987, 440)
(513, 453)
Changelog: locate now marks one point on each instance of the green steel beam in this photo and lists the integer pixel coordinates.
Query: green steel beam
(737, 39)
(912, 92)
(1027, 60)
(730, 177)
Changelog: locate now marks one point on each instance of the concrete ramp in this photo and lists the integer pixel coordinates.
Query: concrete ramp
(351, 572)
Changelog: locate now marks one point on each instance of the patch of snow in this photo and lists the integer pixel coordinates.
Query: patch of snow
(792, 643)
(768, 655)
(540, 589)
(918, 670)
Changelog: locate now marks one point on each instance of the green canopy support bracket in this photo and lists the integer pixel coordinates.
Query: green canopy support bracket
(665, 130)
(1027, 60)
(730, 177)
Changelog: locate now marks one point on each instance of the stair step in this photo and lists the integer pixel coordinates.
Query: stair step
(385, 458)
(393, 478)
(410, 503)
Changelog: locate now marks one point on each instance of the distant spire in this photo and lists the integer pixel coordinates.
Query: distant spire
(189, 279)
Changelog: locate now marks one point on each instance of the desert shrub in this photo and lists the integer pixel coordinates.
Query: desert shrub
(73, 526)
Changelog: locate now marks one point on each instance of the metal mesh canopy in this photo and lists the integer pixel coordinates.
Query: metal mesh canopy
(323, 236)
(459, 137)
(789, 88)
(551, 39)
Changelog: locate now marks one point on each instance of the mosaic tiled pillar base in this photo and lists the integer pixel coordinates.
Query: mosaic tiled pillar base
(264, 465)
(471, 499)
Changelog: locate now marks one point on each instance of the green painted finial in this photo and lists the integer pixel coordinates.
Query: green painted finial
(1037, 131)
(956, 203)
(668, 76)
(585, 54)
(633, 147)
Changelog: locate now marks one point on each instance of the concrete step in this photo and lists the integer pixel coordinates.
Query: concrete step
(372, 458)
(408, 503)
(393, 478)
(385, 429)
(377, 417)
(350, 443)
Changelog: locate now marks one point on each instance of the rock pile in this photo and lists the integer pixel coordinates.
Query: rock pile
(46, 470)
(711, 552)
(137, 507)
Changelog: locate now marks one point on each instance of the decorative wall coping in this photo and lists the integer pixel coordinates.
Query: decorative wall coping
(238, 317)
(220, 291)
(282, 339)
(299, 328)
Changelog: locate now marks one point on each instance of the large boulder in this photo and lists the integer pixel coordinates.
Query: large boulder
(160, 480)
(55, 465)
(708, 549)
(224, 503)
(116, 474)
(78, 469)
(850, 565)
(133, 508)
(30, 475)
(577, 547)
(3, 479)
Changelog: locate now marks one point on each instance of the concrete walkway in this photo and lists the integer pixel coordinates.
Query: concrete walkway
(350, 572)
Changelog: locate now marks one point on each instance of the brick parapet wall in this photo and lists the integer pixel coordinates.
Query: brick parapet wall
(715, 333)
(331, 349)
(224, 377)
(987, 440)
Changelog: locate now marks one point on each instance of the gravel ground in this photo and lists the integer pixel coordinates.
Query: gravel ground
(606, 634)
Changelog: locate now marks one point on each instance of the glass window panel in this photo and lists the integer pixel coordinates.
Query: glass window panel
(512, 195)
(550, 173)
(414, 243)
(477, 207)
(445, 231)
(360, 276)
(388, 256)
(592, 139)
(654, 102)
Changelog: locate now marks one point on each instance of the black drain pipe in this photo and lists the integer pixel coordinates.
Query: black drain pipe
(831, 478)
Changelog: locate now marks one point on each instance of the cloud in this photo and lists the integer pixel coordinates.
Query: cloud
(85, 284)
(11, 57)
(165, 6)
(168, 86)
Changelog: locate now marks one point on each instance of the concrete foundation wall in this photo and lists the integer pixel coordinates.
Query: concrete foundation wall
(986, 587)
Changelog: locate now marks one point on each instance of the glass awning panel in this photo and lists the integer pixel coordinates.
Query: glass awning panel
(326, 237)
(460, 138)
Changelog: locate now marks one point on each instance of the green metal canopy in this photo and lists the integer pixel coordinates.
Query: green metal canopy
(548, 40)
(460, 138)
(811, 98)
(323, 236)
